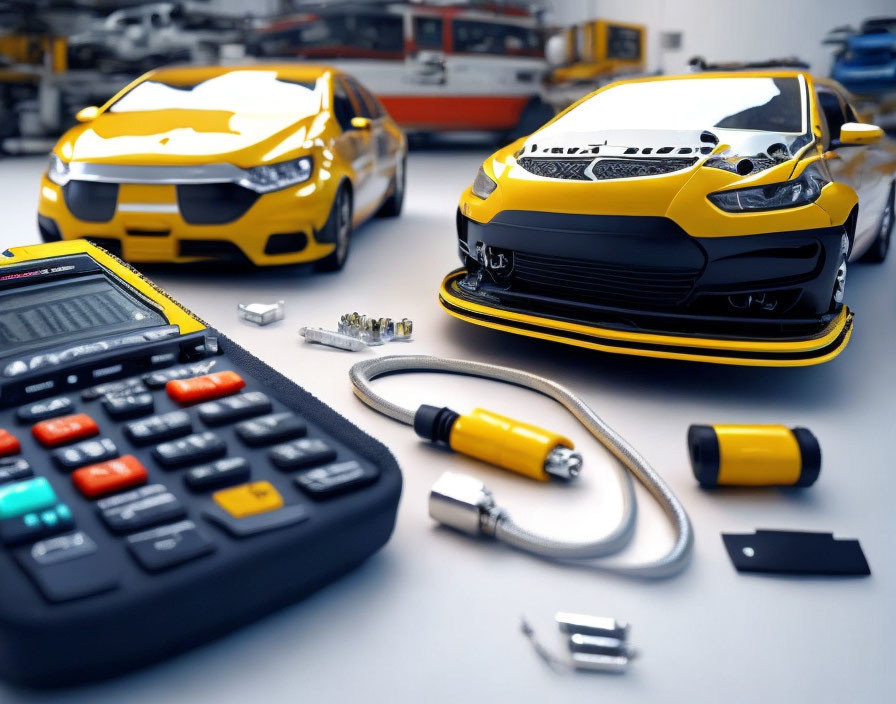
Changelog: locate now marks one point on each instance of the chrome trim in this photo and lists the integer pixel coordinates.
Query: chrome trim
(147, 208)
(116, 173)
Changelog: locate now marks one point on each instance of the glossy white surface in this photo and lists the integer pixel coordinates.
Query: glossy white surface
(434, 616)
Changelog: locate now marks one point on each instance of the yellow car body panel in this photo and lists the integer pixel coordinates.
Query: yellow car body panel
(187, 138)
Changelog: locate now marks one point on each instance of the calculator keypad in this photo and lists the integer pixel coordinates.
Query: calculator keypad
(159, 525)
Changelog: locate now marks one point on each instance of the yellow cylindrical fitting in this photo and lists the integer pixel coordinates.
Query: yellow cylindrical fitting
(501, 441)
(753, 455)
(505, 442)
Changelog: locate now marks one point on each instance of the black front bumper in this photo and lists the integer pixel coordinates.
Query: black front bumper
(650, 273)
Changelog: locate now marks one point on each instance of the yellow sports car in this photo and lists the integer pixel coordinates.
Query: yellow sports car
(266, 163)
(704, 217)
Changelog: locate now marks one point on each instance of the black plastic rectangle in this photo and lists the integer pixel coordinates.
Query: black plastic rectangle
(795, 552)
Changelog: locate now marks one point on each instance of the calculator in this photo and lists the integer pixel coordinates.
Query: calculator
(159, 485)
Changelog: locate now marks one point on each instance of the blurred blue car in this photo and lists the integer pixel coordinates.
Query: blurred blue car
(866, 62)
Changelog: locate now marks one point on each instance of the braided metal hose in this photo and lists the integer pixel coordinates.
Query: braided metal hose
(504, 528)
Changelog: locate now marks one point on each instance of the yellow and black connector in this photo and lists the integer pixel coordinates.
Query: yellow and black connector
(504, 442)
(753, 455)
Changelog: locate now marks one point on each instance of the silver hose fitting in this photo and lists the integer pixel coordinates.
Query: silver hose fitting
(464, 503)
(563, 462)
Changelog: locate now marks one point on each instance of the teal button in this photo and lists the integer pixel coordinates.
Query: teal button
(49, 518)
(25, 497)
(63, 511)
(31, 520)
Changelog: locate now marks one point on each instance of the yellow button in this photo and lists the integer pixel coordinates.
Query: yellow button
(249, 499)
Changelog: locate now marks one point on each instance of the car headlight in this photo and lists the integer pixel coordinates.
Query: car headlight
(802, 190)
(58, 170)
(483, 186)
(273, 177)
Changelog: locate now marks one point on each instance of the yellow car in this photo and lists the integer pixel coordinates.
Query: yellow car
(702, 217)
(274, 164)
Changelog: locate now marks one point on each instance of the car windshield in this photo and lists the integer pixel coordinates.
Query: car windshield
(759, 104)
(247, 92)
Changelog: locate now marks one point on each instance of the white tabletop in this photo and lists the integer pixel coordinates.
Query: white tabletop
(434, 616)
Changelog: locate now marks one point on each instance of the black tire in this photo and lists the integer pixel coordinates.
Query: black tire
(339, 230)
(391, 207)
(878, 250)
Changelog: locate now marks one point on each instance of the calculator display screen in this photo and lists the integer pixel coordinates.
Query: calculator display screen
(69, 311)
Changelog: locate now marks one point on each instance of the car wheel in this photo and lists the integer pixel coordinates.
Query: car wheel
(392, 205)
(339, 225)
(877, 252)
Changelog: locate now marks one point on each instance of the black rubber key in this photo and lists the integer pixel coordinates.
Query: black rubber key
(234, 408)
(167, 546)
(158, 428)
(48, 408)
(302, 454)
(84, 453)
(335, 479)
(270, 429)
(190, 450)
(224, 472)
(128, 406)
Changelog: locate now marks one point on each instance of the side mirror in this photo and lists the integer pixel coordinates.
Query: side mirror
(859, 133)
(87, 114)
(361, 123)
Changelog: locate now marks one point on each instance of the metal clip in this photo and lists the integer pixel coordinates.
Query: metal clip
(261, 313)
(375, 331)
(332, 339)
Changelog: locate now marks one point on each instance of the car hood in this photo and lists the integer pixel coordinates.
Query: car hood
(548, 142)
(185, 137)
(677, 159)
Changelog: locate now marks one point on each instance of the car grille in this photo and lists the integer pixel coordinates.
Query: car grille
(571, 169)
(91, 201)
(213, 203)
(603, 169)
(631, 168)
(600, 282)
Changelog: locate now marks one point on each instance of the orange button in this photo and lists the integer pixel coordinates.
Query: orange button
(58, 431)
(202, 388)
(108, 477)
(9, 444)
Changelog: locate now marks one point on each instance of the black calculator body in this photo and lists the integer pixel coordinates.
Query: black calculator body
(159, 486)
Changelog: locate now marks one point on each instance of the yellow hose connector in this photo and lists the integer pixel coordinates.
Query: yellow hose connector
(753, 455)
(504, 442)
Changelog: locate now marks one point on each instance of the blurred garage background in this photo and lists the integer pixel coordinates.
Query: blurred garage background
(513, 64)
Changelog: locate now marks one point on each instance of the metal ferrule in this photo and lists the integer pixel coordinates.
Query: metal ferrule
(563, 462)
(464, 503)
